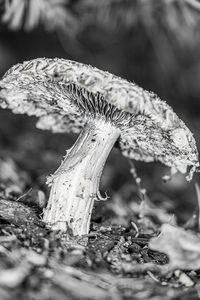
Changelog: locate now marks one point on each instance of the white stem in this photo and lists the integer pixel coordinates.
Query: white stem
(75, 185)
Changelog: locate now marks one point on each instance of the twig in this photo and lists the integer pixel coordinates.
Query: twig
(136, 229)
(153, 276)
(24, 195)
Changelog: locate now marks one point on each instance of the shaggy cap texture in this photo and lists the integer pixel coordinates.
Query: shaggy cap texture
(64, 94)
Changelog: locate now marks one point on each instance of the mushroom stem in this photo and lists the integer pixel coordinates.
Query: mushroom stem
(75, 185)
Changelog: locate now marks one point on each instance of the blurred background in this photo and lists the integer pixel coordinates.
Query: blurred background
(154, 43)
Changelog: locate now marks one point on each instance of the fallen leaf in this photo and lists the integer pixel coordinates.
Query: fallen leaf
(181, 246)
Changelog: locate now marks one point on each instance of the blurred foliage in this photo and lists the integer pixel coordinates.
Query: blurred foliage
(77, 14)
(28, 14)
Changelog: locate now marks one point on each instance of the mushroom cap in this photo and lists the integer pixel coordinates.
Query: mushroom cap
(64, 93)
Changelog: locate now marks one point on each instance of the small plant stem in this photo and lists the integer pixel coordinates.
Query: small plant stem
(198, 201)
(133, 171)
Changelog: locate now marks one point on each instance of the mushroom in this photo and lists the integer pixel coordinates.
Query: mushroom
(68, 96)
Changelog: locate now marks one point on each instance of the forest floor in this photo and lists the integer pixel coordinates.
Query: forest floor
(114, 261)
(111, 262)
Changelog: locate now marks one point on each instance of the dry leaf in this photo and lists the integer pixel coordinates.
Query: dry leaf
(181, 246)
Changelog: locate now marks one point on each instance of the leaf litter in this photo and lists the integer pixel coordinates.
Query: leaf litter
(145, 255)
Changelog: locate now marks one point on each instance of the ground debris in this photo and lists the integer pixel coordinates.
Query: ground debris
(12, 177)
(181, 246)
(18, 214)
(91, 285)
(111, 262)
(12, 278)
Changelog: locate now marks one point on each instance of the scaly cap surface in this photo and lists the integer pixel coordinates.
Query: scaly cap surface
(63, 94)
